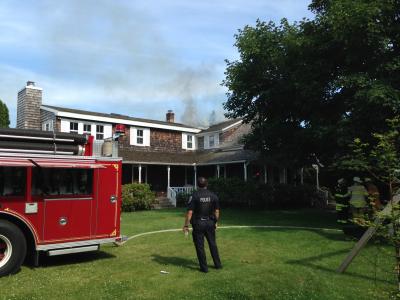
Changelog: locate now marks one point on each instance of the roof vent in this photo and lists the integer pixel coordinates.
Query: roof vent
(30, 83)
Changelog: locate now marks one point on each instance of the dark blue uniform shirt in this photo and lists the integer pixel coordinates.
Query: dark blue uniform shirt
(203, 203)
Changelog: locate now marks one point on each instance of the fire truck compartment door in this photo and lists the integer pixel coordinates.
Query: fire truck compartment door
(67, 218)
(107, 193)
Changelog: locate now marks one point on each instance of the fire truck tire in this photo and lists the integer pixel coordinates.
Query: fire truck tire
(12, 248)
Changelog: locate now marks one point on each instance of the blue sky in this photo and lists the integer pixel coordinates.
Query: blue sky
(139, 58)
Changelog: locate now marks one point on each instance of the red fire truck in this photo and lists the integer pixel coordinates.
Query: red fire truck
(55, 197)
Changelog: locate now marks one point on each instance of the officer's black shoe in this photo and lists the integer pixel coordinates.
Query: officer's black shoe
(203, 271)
(218, 267)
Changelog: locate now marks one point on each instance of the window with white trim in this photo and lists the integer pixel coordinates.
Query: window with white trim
(211, 142)
(189, 141)
(99, 132)
(139, 136)
(87, 128)
(48, 126)
(73, 127)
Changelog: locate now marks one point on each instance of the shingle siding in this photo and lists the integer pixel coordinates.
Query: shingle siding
(160, 141)
(235, 134)
(46, 116)
(28, 108)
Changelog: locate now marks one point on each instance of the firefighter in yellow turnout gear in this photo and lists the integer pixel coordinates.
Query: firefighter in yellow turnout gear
(358, 198)
(358, 207)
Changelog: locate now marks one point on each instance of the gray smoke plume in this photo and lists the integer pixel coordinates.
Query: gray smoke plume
(115, 56)
(191, 82)
(212, 119)
(190, 113)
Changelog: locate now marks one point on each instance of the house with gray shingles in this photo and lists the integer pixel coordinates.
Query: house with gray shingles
(165, 154)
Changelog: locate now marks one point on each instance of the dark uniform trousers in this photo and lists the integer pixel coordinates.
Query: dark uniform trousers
(205, 227)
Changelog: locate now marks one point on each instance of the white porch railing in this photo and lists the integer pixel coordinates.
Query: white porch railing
(173, 191)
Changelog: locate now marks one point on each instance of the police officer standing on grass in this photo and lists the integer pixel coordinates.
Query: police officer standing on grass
(203, 214)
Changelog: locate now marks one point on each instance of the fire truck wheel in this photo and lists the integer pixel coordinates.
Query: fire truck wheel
(12, 248)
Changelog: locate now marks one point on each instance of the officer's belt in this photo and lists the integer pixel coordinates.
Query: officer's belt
(203, 218)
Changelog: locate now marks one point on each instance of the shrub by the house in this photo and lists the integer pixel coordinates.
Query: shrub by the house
(182, 199)
(234, 192)
(137, 196)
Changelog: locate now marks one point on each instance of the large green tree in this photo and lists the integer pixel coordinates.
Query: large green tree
(4, 116)
(311, 87)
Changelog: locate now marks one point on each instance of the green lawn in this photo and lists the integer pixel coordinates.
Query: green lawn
(258, 263)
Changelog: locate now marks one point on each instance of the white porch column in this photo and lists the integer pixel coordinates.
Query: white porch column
(285, 181)
(140, 173)
(195, 177)
(265, 174)
(282, 176)
(302, 176)
(245, 171)
(218, 171)
(169, 176)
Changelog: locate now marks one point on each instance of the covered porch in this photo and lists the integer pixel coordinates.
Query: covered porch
(171, 173)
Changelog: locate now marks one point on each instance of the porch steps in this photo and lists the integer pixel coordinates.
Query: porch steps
(162, 202)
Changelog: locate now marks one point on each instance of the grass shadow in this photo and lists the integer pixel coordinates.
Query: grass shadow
(311, 262)
(328, 234)
(176, 261)
(71, 259)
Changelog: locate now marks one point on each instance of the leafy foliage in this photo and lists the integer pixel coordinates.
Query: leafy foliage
(381, 160)
(4, 116)
(182, 199)
(311, 87)
(233, 192)
(137, 196)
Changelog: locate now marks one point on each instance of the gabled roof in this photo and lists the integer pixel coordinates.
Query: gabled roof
(223, 125)
(117, 118)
